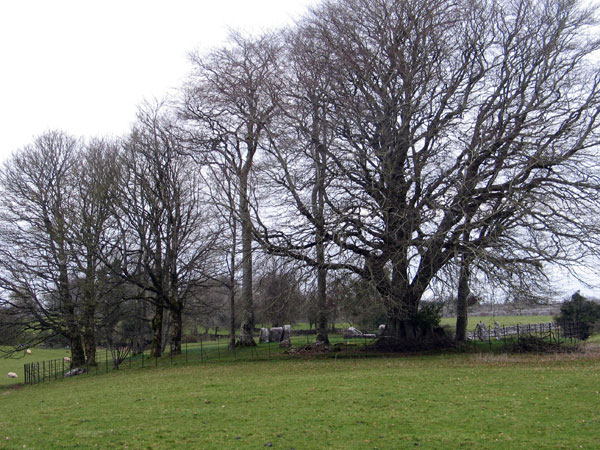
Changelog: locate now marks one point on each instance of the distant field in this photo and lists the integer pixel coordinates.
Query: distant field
(450, 401)
(16, 364)
(502, 320)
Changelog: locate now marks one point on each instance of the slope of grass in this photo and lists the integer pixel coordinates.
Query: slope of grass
(471, 401)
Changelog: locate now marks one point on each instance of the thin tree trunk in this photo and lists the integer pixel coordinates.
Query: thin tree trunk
(322, 335)
(461, 301)
(232, 286)
(247, 327)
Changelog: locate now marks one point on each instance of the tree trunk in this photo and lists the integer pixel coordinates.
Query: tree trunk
(232, 286)
(247, 327)
(89, 330)
(157, 321)
(89, 341)
(176, 331)
(322, 335)
(461, 301)
(77, 352)
(400, 327)
(318, 207)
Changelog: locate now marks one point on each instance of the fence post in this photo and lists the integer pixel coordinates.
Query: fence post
(186, 353)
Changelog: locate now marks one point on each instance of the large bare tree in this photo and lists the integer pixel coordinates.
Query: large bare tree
(453, 124)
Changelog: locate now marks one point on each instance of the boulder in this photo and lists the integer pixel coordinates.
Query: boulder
(352, 333)
(74, 372)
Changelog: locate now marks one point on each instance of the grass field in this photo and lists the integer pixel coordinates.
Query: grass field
(502, 321)
(15, 364)
(451, 401)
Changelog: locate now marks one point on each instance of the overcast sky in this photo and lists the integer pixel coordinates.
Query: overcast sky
(83, 66)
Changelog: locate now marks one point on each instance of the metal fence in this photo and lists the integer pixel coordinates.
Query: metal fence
(552, 332)
(216, 349)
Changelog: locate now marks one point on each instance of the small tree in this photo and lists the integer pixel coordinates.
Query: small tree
(582, 311)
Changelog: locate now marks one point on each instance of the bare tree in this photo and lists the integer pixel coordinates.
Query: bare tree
(229, 103)
(38, 275)
(168, 234)
(96, 177)
(454, 120)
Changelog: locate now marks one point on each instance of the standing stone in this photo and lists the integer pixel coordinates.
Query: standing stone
(264, 335)
(285, 337)
(275, 334)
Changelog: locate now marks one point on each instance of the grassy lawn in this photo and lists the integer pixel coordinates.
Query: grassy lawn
(449, 401)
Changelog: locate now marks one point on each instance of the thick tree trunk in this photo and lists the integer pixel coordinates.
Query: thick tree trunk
(247, 327)
(400, 328)
(176, 330)
(89, 341)
(77, 352)
(461, 301)
(157, 323)
(89, 330)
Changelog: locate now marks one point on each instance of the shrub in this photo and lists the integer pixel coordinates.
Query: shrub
(582, 312)
(429, 315)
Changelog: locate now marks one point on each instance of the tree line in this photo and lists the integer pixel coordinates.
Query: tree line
(413, 146)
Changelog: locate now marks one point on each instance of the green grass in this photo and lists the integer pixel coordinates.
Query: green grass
(502, 320)
(15, 364)
(452, 401)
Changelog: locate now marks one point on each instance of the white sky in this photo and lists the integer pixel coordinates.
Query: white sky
(83, 66)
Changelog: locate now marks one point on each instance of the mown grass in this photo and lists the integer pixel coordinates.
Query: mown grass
(444, 401)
